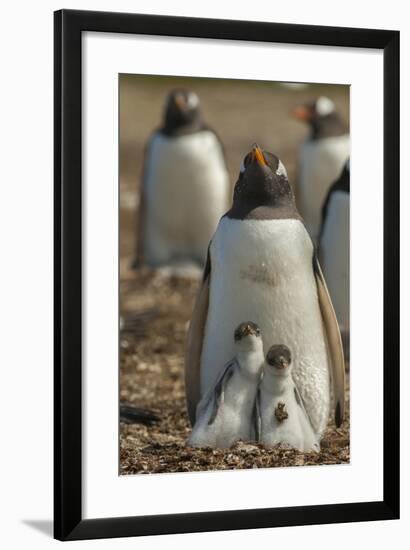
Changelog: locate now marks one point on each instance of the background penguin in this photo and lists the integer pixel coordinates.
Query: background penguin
(281, 414)
(334, 245)
(262, 265)
(225, 413)
(321, 158)
(185, 186)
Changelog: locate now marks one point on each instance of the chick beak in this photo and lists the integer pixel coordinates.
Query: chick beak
(257, 154)
(247, 330)
(302, 113)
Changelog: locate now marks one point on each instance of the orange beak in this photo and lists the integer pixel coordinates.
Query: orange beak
(257, 155)
(180, 101)
(302, 113)
(282, 363)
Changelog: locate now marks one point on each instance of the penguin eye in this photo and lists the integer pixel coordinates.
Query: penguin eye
(258, 331)
(324, 106)
(245, 163)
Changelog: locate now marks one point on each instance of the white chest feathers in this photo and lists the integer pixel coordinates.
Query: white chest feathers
(226, 413)
(282, 418)
(262, 271)
(186, 188)
(321, 162)
(334, 254)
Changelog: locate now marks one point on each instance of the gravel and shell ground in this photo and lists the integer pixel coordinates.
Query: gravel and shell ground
(156, 305)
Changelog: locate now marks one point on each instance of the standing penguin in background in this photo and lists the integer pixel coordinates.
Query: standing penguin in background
(262, 265)
(281, 415)
(334, 245)
(321, 158)
(185, 187)
(226, 412)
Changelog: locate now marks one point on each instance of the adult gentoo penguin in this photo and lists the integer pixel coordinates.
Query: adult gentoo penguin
(321, 158)
(281, 416)
(334, 245)
(262, 266)
(226, 412)
(185, 186)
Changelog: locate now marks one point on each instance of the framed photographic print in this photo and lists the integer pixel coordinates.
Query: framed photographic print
(226, 275)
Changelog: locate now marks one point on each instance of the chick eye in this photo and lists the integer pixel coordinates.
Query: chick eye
(258, 331)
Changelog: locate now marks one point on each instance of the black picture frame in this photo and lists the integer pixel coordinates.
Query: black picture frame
(68, 522)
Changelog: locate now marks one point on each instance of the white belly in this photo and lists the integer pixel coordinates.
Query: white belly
(187, 191)
(262, 272)
(334, 254)
(295, 430)
(321, 163)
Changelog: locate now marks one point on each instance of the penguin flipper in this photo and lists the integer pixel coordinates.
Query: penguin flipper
(300, 403)
(218, 391)
(341, 184)
(194, 345)
(256, 416)
(334, 342)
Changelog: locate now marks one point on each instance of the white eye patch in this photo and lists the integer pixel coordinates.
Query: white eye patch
(193, 100)
(242, 168)
(281, 170)
(324, 106)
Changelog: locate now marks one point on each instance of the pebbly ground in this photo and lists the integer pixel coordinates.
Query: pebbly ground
(156, 310)
(156, 306)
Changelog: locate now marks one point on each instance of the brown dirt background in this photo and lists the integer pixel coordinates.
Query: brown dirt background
(156, 307)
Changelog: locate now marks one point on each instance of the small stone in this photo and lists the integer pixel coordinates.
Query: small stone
(246, 447)
(280, 412)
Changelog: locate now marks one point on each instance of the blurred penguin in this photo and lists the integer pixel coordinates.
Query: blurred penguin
(321, 158)
(185, 187)
(334, 248)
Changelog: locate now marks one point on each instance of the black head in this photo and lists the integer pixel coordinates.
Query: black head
(182, 112)
(246, 329)
(262, 182)
(322, 117)
(279, 357)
